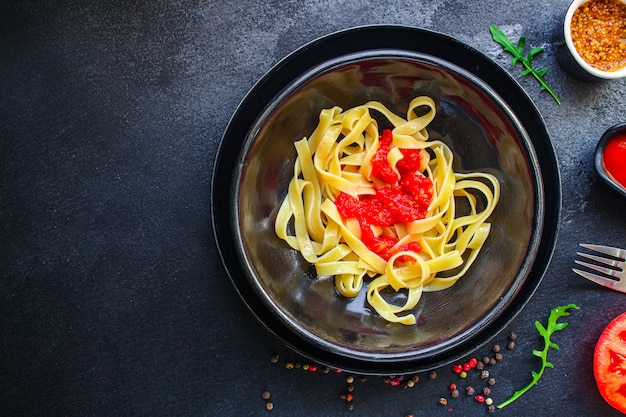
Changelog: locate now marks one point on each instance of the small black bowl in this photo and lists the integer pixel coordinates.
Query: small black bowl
(610, 133)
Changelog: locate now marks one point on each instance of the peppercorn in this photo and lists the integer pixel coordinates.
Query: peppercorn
(350, 406)
(499, 356)
(496, 348)
(480, 366)
(305, 367)
(480, 398)
(326, 369)
(484, 375)
(269, 406)
(457, 369)
(363, 379)
(394, 382)
(492, 361)
(486, 360)
(492, 408)
(289, 365)
(510, 345)
(491, 381)
(452, 387)
(488, 401)
(469, 390)
(432, 375)
(265, 395)
(454, 393)
(486, 391)
(512, 336)
(349, 379)
(463, 375)
(350, 388)
(410, 383)
(415, 378)
(443, 401)
(274, 359)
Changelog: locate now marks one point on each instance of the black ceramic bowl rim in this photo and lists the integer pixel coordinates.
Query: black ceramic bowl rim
(609, 134)
(442, 47)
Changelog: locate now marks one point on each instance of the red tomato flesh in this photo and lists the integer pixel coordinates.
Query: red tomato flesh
(404, 198)
(614, 158)
(609, 363)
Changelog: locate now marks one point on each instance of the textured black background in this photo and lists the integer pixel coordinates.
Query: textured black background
(113, 300)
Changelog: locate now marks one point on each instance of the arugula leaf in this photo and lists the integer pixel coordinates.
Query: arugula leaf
(518, 56)
(545, 332)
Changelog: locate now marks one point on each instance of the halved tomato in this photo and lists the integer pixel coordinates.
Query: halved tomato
(609, 363)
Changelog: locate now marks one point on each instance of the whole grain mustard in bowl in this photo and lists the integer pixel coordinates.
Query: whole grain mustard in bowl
(595, 36)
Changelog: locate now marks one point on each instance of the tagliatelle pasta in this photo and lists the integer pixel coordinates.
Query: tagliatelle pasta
(382, 209)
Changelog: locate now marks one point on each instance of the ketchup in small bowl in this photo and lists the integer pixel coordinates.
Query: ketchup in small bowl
(610, 159)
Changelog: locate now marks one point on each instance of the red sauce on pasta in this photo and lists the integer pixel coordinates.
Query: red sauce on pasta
(614, 158)
(404, 198)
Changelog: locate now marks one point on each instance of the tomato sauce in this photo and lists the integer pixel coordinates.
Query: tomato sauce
(404, 197)
(614, 158)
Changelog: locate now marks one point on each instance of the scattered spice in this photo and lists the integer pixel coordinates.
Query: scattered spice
(443, 401)
(265, 395)
(469, 390)
(598, 30)
(269, 406)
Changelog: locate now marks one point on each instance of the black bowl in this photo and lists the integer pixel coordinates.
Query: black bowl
(490, 124)
(610, 133)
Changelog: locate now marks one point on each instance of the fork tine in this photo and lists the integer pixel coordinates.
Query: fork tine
(607, 250)
(607, 271)
(605, 282)
(602, 260)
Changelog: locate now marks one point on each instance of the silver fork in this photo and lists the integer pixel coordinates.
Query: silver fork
(610, 264)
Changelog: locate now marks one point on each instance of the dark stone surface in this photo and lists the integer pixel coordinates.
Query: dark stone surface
(113, 300)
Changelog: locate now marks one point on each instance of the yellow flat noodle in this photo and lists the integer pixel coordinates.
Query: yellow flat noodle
(336, 158)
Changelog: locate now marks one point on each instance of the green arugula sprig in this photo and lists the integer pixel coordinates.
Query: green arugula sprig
(518, 56)
(546, 333)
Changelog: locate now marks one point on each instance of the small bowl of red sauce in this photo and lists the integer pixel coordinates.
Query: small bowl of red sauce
(610, 159)
(595, 36)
